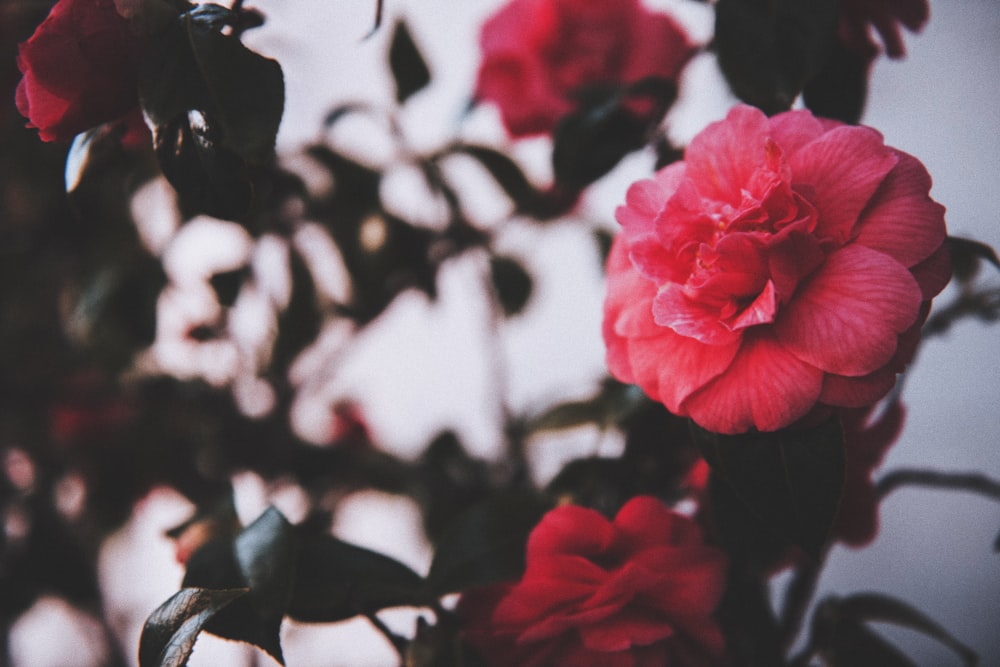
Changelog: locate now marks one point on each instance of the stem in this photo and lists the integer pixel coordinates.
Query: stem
(972, 482)
(398, 642)
(797, 597)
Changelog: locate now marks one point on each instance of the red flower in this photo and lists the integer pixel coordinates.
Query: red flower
(636, 592)
(786, 263)
(538, 53)
(866, 442)
(858, 16)
(80, 69)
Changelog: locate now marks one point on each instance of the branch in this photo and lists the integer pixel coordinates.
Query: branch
(971, 481)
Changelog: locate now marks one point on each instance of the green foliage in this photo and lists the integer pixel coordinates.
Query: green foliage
(215, 107)
(262, 559)
(409, 71)
(512, 284)
(486, 544)
(769, 49)
(791, 480)
(840, 633)
(170, 632)
(335, 581)
(606, 127)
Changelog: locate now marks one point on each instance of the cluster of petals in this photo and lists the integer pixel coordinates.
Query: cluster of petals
(784, 266)
(638, 591)
(80, 69)
(538, 54)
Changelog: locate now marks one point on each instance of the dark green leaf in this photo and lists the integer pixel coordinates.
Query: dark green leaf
(511, 284)
(262, 558)
(336, 581)
(114, 312)
(791, 480)
(227, 285)
(606, 127)
(505, 172)
(854, 645)
(769, 49)
(966, 256)
(300, 323)
(409, 71)
(194, 67)
(485, 544)
(170, 632)
(614, 403)
(208, 177)
(867, 607)
(840, 88)
(453, 481)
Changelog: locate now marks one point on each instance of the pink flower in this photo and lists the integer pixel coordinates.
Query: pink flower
(785, 264)
(537, 54)
(639, 591)
(80, 69)
(858, 16)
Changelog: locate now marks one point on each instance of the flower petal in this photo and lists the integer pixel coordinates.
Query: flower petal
(725, 155)
(847, 317)
(765, 387)
(902, 220)
(841, 170)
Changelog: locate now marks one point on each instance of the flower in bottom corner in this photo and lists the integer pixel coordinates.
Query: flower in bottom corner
(638, 591)
(783, 268)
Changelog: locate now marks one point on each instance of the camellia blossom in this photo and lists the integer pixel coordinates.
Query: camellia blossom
(80, 69)
(638, 591)
(538, 54)
(785, 264)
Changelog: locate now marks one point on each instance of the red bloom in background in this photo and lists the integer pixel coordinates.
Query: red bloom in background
(538, 53)
(866, 442)
(80, 69)
(638, 591)
(786, 263)
(887, 16)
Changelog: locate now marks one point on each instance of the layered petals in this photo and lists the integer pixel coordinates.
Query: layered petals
(784, 266)
(537, 55)
(636, 591)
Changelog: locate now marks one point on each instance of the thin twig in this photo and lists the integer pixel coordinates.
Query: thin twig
(971, 481)
(797, 597)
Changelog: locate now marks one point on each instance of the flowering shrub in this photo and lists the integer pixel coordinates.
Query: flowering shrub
(639, 590)
(250, 334)
(80, 69)
(534, 74)
(785, 263)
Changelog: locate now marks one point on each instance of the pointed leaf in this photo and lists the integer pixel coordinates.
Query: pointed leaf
(262, 557)
(769, 50)
(511, 283)
(840, 88)
(170, 632)
(507, 174)
(791, 480)
(336, 581)
(227, 284)
(194, 67)
(409, 71)
(884, 609)
(486, 544)
(854, 645)
(966, 256)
